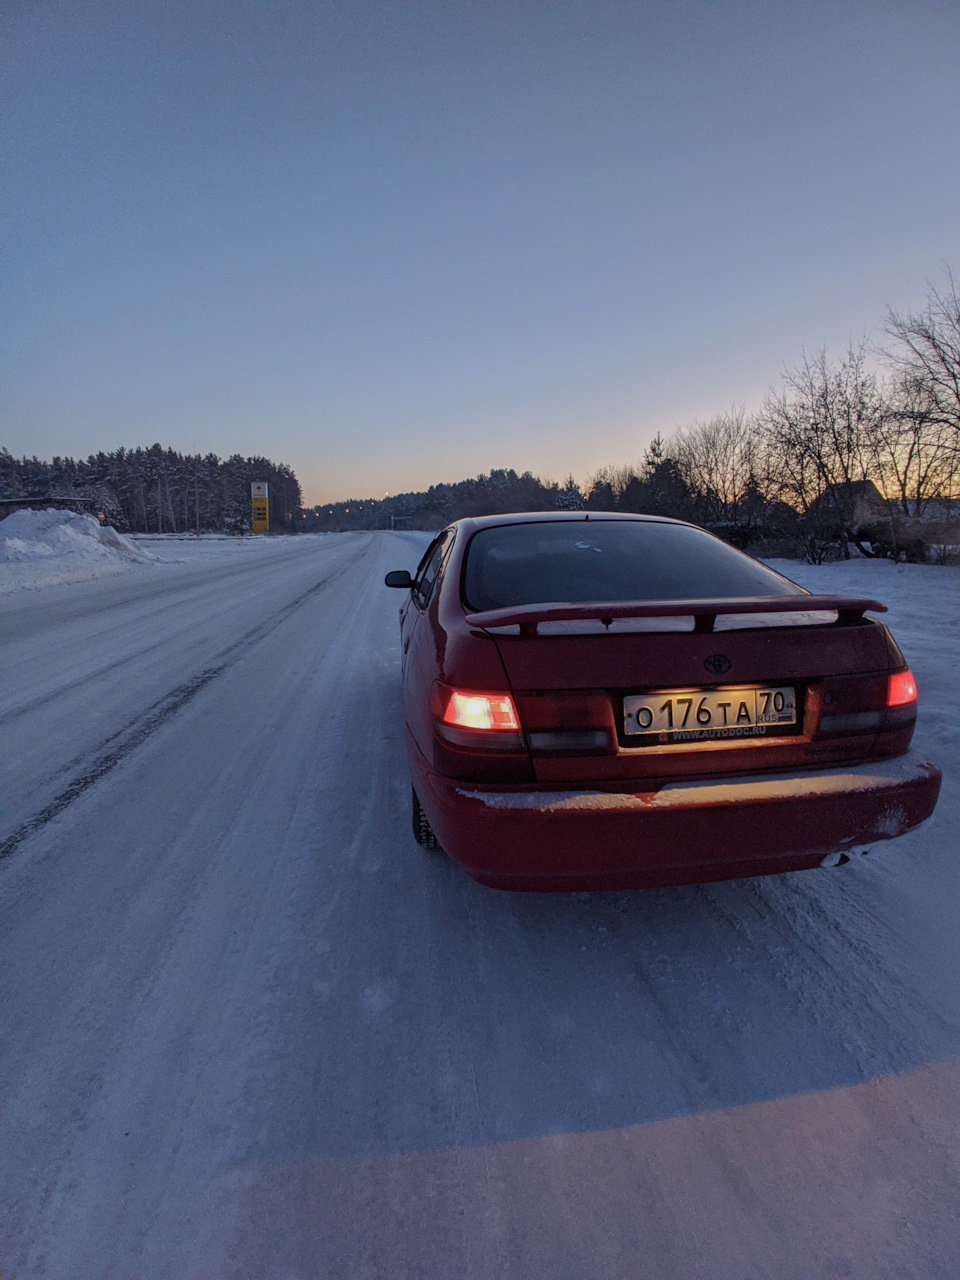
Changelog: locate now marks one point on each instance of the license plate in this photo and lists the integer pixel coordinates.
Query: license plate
(702, 715)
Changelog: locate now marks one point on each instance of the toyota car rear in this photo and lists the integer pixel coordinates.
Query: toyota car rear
(605, 701)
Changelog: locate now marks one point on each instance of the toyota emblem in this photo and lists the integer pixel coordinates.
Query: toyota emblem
(717, 663)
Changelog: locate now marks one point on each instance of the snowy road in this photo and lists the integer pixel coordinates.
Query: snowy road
(251, 1030)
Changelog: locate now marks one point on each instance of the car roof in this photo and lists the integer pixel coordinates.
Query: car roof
(473, 523)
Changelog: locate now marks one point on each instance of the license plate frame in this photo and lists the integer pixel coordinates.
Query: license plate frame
(737, 713)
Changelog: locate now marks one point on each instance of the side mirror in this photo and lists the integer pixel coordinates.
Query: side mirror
(398, 578)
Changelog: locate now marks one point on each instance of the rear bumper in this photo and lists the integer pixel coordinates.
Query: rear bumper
(530, 839)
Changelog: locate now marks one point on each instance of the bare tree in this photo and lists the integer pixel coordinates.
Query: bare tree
(818, 426)
(926, 351)
(721, 464)
(912, 448)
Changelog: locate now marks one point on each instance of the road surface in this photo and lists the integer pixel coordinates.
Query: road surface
(250, 1030)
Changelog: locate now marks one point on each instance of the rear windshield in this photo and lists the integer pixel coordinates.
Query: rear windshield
(582, 561)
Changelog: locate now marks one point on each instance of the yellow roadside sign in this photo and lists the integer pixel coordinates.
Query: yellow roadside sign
(260, 506)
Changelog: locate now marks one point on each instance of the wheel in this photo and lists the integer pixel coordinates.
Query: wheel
(423, 833)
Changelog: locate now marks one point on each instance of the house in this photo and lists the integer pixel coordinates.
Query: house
(851, 504)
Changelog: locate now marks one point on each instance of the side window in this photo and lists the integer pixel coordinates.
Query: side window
(429, 568)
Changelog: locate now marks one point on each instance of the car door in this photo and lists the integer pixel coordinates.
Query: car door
(419, 639)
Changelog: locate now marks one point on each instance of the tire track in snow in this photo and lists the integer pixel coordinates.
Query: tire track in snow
(121, 744)
(88, 677)
(155, 596)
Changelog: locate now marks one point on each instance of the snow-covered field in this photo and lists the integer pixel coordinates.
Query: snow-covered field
(251, 1030)
(924, 615)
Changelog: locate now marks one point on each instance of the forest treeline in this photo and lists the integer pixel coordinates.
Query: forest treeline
(158, 490)
(862, 450)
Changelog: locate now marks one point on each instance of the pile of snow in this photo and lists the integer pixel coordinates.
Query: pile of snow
(41, 548)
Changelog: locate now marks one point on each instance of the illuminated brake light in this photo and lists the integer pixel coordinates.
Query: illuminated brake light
(901, 689)
(481, 711)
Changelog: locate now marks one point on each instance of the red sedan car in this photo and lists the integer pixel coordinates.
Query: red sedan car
(605, 701)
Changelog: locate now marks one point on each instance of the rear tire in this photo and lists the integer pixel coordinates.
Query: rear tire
(423, 833)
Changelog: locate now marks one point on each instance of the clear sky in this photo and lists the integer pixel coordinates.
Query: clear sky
(403, 242)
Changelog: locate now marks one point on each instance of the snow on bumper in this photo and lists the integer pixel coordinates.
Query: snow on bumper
(684, 832)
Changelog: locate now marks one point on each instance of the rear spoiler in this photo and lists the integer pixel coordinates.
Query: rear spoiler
(849, 609)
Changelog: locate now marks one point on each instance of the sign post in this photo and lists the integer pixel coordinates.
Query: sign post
(260, 506)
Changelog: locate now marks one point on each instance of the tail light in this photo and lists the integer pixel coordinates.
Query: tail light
(579, 723)
(882, 705)
(477, 736)
(900, 717)
(901, 689)
(480, 711)
(476, 720)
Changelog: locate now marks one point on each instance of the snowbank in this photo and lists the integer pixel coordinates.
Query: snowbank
(47, 548)
(42, 548)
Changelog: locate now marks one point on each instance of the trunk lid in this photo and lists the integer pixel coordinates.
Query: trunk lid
(570, 668)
